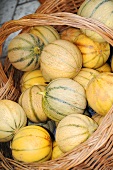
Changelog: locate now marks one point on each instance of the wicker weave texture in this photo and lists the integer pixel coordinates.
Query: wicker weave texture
(97, 152)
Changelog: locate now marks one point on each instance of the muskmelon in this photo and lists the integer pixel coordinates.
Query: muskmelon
(63, 96)
(31, 102)
(99, 93)
(59, 59)
(56, 151)
(32, 144)
(24, 51)
(12, 118)
(85, 75)
(73, 130)
(101, 10)
(46, 33)
(31, 78)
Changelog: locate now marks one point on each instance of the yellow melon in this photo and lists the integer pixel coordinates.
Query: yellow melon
(32, 78)
(32, 144)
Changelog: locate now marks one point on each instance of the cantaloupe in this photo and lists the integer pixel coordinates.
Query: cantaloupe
(60, 59)
(24, 51)
(31, 78)
(101, 10)
(85, 75)
(46, 33)
(62, 97)
(99, 93)
(12, 118)
(31, 102)
(56, 152)
(32, 144)
(73, 130)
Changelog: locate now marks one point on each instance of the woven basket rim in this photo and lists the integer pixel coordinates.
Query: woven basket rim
(98, 139)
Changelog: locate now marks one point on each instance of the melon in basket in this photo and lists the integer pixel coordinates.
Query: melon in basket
(12, 118)
(73, 130)
(24, 51)
(63, 96)
(98, 118)
(94, 54)
(59, 59)
(85, 75)
(32, 144)
(31, 78)
(56, 151)
(104, 68)
(31, 102)
(100, 10)
(46, 33)
(99, 93)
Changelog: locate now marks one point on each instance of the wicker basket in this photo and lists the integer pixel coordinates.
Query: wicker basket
(97, 152)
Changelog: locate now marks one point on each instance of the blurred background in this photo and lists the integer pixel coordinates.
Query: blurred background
(15, 9)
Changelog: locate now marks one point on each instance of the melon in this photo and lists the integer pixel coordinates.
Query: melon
(60, 59)
(24, 51)
(63, 96)
(32, 144)
(31, 78)
(71, 34)
(56, 151)
(31, 102)
(99, 93)
(100, 10)
(73, 130)
(104, 68)
(94, 54)
(85, 75)
(46, 33)
(12, 118)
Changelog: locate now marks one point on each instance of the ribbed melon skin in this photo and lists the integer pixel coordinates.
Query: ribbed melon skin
(94, 54)
(46, 33)
(56, 152)
(32, 144)
(99, 93)
(31, 78)
(104, 68)
(101, 10)
(12, 118)
(59, 59)
(85, 75)
(31, 102)
(62, 97)
(24, 51)
(73, 130)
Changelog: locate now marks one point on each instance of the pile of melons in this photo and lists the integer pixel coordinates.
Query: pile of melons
(63, 75)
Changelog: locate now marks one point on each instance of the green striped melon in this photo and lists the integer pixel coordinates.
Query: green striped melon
(31, 102)
(63, 96)
(59, 59)
(12, 118)
(99, 93)
(85, 75)
(73, 130)
(46, 33)
(31, 78)
(101, 10)
(24, 51)
(32, 144)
